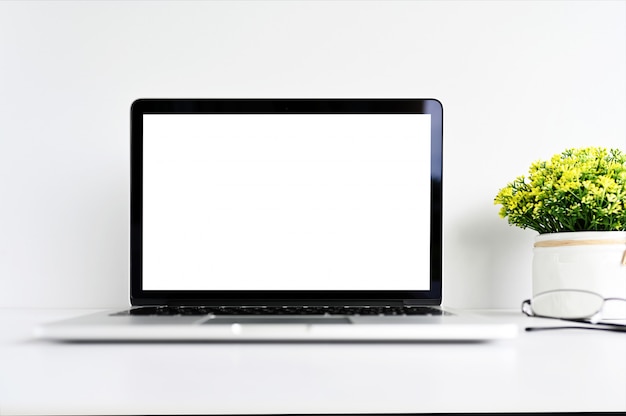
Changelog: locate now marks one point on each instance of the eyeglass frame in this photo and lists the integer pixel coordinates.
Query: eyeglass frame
(589, 319)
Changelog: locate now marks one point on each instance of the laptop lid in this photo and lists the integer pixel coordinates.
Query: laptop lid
(286, 201)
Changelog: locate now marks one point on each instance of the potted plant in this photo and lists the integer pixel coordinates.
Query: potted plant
(576, 201)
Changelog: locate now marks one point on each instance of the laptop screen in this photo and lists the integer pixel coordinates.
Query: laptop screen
(285, 201)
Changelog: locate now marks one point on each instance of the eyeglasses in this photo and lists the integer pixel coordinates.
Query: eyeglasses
(569, 305)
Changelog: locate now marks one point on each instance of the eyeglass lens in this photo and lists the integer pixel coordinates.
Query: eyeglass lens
(567, 304)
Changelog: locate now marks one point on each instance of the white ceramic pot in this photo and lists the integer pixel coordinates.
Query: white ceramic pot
(586, 260)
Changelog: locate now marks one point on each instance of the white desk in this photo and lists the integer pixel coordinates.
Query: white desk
(567, 370)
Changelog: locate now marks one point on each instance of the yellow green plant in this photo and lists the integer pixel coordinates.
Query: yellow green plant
(577, 190)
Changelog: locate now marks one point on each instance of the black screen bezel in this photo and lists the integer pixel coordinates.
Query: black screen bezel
(138, 296)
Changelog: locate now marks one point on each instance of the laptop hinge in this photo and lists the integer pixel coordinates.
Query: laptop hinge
(241, 302)
(422, 302)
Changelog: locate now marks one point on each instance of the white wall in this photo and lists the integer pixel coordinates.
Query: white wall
(519, 81)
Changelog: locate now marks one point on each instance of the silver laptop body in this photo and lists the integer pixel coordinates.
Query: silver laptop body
(284, 220)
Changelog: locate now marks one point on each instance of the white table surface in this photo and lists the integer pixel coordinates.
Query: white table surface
(566, 370)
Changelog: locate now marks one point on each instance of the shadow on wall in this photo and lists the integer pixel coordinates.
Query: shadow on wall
(487, 263)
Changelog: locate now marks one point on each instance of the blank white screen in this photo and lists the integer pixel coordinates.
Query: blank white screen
(286, 202)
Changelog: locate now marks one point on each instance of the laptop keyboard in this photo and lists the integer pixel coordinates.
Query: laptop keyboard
(284, 310)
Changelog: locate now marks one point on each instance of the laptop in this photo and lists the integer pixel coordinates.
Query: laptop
(284, 220)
